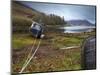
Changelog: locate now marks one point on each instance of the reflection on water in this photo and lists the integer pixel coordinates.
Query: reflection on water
(77, 29)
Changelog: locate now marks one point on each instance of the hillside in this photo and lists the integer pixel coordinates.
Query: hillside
(80, 22)
(21, 10)
(23, 15)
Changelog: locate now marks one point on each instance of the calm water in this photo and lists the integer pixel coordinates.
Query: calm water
(77, 29)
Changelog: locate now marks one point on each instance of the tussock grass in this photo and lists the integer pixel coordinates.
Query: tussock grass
(20, 41)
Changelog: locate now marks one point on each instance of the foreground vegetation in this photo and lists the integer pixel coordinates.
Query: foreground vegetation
(51, 59)
(50, 56)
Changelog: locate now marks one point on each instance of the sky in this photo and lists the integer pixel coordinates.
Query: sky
(69, 12)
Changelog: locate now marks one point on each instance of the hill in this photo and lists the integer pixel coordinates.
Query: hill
(22, 13)
(80, 23)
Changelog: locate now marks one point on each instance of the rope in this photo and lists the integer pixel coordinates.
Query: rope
(29, 53)
(30, 58)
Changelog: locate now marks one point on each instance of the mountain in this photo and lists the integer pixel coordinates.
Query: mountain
(79, 23)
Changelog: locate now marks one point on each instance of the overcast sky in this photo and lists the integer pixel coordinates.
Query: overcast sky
(70, 12)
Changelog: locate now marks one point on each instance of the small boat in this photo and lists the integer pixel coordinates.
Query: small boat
(36, 30)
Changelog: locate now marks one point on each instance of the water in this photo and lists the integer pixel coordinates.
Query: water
(77, 29)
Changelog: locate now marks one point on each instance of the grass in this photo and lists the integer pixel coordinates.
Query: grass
(70, 60)
(21, 40)
(53, 59)
(58, 61)
(66, 41)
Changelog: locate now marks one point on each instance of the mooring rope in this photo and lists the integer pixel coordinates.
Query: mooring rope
(25, 65)
(29, 53)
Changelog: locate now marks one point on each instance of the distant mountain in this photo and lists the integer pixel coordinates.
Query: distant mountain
(79, 23)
